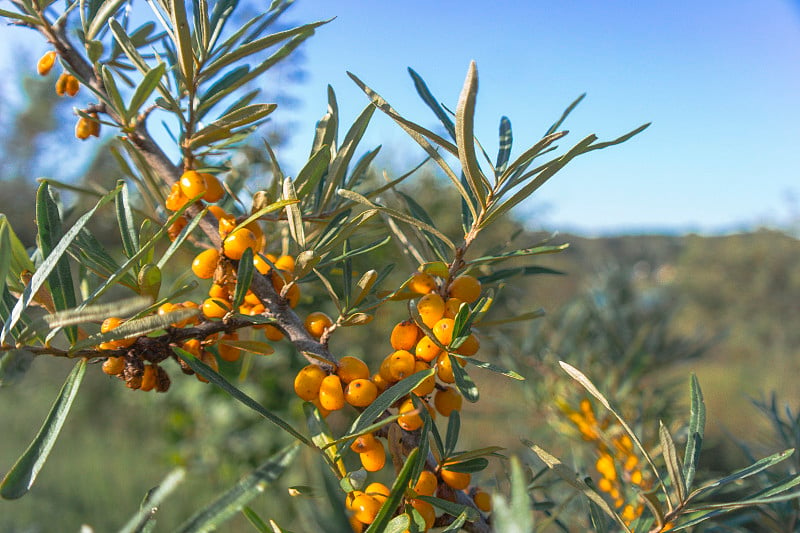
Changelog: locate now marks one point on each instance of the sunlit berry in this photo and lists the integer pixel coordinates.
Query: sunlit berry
(374, 459)
(214, 190)
(361, 392)
(469, 347)
(261, 265)
(272, 333)
(192, 184)
(114, 366)
(83, 128)
(404, 335)
(444, 368)
(431, 309)
(61, 84)
(251, 298)
(428, 384)
(218, 291)
(483, 501)
(46, 62)
(205, 263)
(317, 322)
(377, 490)
(451, 307)
(331, 394)
(176, 199)
(380, 382)
(447, 400)
(286, 263)
(605, 465)
(456, 480)
(215, 307)
(426, 349)
(365, 442)
(426, 510)
(350, 368)
(176, 228)
(365, 508)
(426, 484)
(443, 330)
(149, 378)
(409, 420)
(465, 287)
(308, 381)
(192, 346)
(421, 283)
(401, 365)
(237, 242)
(72, 85)
(226, 352)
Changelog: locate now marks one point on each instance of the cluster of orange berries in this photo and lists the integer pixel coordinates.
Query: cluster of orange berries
(616, 463)
(137, 374)
(68, 85)
(365, 505)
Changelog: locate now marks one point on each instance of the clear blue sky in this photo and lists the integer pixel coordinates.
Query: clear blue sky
(720, 80)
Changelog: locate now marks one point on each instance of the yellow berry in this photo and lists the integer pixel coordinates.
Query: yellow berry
(456, 480)
(421, 283)
(261, 265)
(428, 384)
(229, 353)
(373, 459)
(365, 508)
(351, 368)
(72, 85)
(308, 381)
(272, 333)
(483, 501)
(83, 128)
(431, 309)
(605, 465)
(451, 307)
(192, 184)
(426, 484)
(205, 263)
(216, 290)
(149, 378)
(465, 287)
(175, 229)
(404, 335)
(237, 242)
(443, 330)
(409, 420)
(176, 199)
(214, 190)
(331, 395)
(401, 365)
(114, 366)
(285, 262)
(426, 510)
(469, 347)
(447, 400)
(444, 368)
(379, 491)
(46, 62)
(317, 322)
(215, 308)
(365, 442)
(427, 350)
(361, 392)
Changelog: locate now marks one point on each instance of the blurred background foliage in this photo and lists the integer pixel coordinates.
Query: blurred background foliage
(636, 313)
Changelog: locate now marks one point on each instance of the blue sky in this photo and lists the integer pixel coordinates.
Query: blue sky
(719, 80)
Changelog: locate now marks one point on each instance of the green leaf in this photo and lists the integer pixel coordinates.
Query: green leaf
(14, 252)
(293, 214)
(465, 136)
(537, 250)
(27, 19)
(755, 468)
(398, 491)
(504, 150)
(256, 347)
(557, 124)
(88, 251)
(311, 173)
(470, 466)
(113, 93)
(694, 439)
(322, 438)
(574, 481)
(257, 522)
(136, 327)
(223, 86)
(451, 508)
(22, 475)
(244, 277)
(494, 368)
(127, 227)
(232, 501)
(514, 515)
(671, 459)
(464, 383)
(152, 501)
(223, 127)
(338, 166)
(206, 372)
(145, 89)
(48, 265)
(432, 103)
(106, 11)
(183, 38)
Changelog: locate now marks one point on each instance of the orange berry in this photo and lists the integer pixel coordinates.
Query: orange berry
(176, 199)
(401, 365)
(215, 307)
(83, 128)
(380, 382)
(355, 525)
(361, 392)
(149, 377)
(331, 395)
(426, 484)
(404, 335)
(605, 465)
(447, 400)
(636, 477)
(351, 368)
(384, 372)
(483, 501)
(255, 227)
(427, 350)
(210, 361)
(109, 324)
(237, 242)
(426, 510)
(456, 480)
(226, 225)
(465, 287)
(451, 307)
(218, 212)
(272, 333)
(192, 184)
(226, 352)
(379, 491)
(443, 330)
(365, 508)
(46, 62)
(431, 309)
(218, 291)
(411, 421)
(365, 442)
(308, 381)
(374, 459)
(428, 384)
(421, 283)
(322, 411)
(293, 295)
(114, 366)
(205, 263)
(261, 265)
(317, 322)
(214, 190)
(285, 262)
(113, 323)
(72, 85)
(251, 298)
(192, 346)
(176, 228)
(469, 347)
(444, 368)
(61, 84)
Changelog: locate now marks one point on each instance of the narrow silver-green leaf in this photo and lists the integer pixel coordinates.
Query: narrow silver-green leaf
(504, 149)
(127, 227)
(671, 460)
(223, 127)
(465, 136)
(135, 328)
(27, 19)
(451, 508)
(183, 38)
(22, 475)
(206, 371)
(14, 252)
(106, 11)
(694, 438)
(244, 277)
(464, 383)
(145, 89)
(494, 368)
(184, 234)
(339, 164)
(152, 501)
(557, 124)
(49, 264)
(113, 92)
(312, 172)
(755, 468)
(524, 159)
(293, 214)
(432, 103)
(232, 501)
